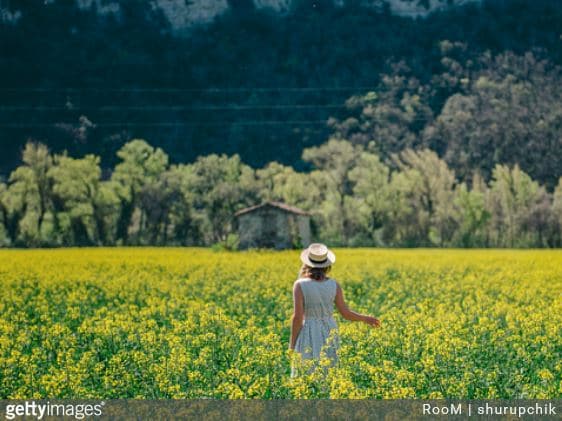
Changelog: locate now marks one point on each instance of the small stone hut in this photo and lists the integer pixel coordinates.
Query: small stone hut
(273, 225)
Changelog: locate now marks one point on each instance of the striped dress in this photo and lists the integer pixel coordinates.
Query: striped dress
(319, 323)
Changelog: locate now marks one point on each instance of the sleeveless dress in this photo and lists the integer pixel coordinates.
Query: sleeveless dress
(319, 332)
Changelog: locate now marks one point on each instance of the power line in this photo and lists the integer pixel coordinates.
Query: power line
(260, 89)
(169, 107)
(169, 124)
(192, 124)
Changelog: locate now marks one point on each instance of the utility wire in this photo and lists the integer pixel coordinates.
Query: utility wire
(168, 107)
(168, 124)
(218, 90)
(179, 124)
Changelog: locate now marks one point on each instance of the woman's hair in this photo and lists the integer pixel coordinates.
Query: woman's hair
(315, 273)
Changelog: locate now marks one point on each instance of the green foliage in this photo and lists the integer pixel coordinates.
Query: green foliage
(415, 79)
(506, 112)
(222, 185)
(76, 187)
(369, 205)
(472, 216)
(423, 194)
(4, 238)
(447, 137)
(334, 161)
(516, 198)
(390, 119)
(140, 165)
(29, 197)
(355, 199)
(556, 216)
(230, 243)
(278, 182)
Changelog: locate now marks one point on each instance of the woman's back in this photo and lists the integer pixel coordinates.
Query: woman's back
(319, 298)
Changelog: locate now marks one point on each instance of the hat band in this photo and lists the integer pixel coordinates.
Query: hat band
(318, 261)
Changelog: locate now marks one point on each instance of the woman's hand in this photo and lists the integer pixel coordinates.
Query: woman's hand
(372, 321)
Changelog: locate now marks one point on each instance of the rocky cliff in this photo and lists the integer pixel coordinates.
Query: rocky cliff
(184, 14)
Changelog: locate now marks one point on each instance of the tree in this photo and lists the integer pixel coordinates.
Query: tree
(107, 206)
(334, 161)
(140, 164)
(282, 183)
(423, 192)
(30, 201)
(222, 185)
(369, 206)
(472, 217)
(387, 120)
(158, 199)
(80, 199)
(537, 223)
(516, 198)
(270, 180)
(4, 238)
(185, 222)
(508, 113)
(556, 215)
(13, 209)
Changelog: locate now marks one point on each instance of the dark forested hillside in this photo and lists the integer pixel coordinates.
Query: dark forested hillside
(264, 86)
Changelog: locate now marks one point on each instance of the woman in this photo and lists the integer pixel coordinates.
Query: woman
(314, 331)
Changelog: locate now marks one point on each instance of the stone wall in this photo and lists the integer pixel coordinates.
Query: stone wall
(272, 228)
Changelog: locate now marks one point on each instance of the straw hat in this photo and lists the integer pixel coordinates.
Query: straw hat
(317, 255)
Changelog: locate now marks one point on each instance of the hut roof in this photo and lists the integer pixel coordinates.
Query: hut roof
(278, 205)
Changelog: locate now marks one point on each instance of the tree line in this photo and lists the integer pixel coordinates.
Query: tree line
(355, 198)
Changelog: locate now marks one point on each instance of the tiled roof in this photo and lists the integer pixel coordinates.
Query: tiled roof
(278, 205)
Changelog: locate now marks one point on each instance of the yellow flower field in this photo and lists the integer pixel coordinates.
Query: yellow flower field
(191, 323)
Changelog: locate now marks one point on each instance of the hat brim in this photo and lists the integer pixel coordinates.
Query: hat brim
(330, 261)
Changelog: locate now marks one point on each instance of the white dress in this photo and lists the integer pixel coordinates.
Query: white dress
(318, 323)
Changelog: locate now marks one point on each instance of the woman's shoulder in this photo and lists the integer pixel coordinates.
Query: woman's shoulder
(303, 282)
(310, 280)
(300, 283)
(334, 283)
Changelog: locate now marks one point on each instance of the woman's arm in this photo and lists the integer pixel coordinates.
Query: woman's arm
(350, 314)
(298, 314)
